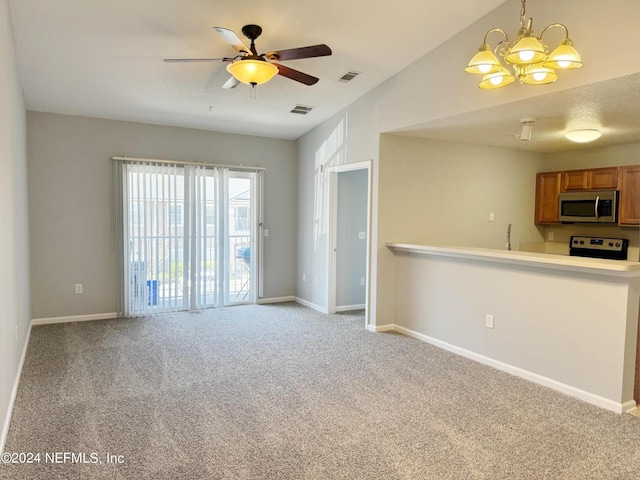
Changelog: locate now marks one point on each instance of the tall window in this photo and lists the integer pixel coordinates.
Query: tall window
(180, 249)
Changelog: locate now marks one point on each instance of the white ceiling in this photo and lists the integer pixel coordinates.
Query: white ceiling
(611, 106)
(104, 58)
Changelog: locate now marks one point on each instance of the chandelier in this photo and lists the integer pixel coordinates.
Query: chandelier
(529, 58)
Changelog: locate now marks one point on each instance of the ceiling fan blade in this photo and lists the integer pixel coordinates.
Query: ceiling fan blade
(232, 39)
(296, 75)
(303, 52)
(233, 82)
(184, 60)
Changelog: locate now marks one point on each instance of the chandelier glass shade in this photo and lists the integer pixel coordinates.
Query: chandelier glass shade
(528, 58)
(252, 72)
(501, 78)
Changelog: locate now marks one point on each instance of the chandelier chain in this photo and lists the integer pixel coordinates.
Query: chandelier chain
(523, 13)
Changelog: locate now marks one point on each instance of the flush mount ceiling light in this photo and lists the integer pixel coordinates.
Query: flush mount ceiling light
(584, 135)
(528, 57)
(252, 72)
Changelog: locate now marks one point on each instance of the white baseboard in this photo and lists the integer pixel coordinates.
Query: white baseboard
(309, 304)
(348, 308)
(14, 393)
(381, 328)
(588, 397)
(628, 406)
(75, 318)
(263, 301)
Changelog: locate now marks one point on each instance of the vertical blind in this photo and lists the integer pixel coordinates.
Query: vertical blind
(169, 233)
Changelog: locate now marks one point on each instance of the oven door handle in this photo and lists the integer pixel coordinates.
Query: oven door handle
(597, 201)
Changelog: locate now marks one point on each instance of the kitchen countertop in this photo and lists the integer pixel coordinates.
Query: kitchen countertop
(619, 268)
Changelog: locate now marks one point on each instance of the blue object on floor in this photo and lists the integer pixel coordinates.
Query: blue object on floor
(152, 292)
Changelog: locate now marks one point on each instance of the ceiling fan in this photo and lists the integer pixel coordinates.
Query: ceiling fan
(250, 68)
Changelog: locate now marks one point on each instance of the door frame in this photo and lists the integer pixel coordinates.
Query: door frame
(332, 235)
(255, 235)
(636, 383)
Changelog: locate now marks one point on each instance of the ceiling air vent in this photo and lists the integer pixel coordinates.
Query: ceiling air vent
(347, 77)
(301, 109)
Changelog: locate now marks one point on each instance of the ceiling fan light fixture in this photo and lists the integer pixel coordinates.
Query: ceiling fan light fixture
(252, 72)
(583, 135)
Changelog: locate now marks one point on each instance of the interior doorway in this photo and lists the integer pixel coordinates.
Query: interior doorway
(349, 238)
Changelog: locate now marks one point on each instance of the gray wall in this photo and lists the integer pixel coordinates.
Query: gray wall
(14, 231)
(351, 255)
(350, 136)
(434, 87)
(70, 202)
(434, 192)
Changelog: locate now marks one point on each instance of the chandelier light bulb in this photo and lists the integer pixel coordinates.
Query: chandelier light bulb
(500, 79)
(539, 76)
(526, 55)
(484, 68)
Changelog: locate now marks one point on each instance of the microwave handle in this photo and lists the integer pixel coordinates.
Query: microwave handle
(597, 201)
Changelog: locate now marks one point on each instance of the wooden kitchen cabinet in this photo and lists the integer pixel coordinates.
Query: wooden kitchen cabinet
(629, 201)
(603, 178)
(547, 191)
(574, 180)
(590, 179)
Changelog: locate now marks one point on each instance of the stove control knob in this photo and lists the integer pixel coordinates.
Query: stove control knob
(617, 244)
(581, 242)
(611, 244)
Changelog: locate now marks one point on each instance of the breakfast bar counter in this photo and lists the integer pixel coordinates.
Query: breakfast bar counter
(544, 260)
(569, 323)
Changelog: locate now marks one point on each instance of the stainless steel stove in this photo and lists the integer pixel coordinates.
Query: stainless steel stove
(599, 247)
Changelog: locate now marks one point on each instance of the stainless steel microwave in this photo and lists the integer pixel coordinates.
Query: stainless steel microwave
(598, 206)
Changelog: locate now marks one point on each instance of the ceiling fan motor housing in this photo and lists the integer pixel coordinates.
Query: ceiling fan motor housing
(252, 31)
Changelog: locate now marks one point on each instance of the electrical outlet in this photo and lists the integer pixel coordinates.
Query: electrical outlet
(492, 216)
(489, 321)
(362, 281)
(316, 281)
(304, 277)
(266, 232)
(550, 236)
(362, 235)
(16, 332)
(78, 288)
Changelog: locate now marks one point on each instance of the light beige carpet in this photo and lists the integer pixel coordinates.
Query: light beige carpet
(284, 392)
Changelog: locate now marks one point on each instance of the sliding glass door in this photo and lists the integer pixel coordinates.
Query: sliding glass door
(240, 239)
(189, 237)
